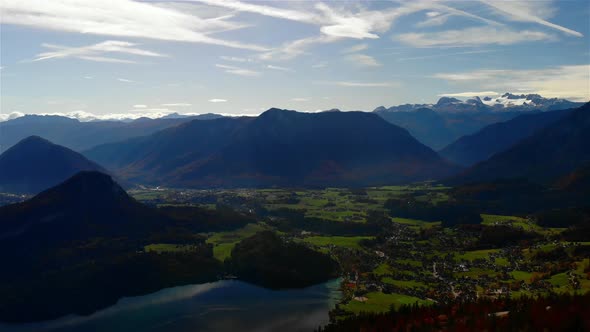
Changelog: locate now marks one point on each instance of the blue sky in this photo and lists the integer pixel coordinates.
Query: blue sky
(124, 58)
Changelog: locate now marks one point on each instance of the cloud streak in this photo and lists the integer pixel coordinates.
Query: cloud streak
(238, 70)
(354, 84)
(176, 105)
(122, 18)
(524, 11)
(363, 60)
(279, 68)
(469, 37)
(356, 48)
(572, 82)
(95, 52)
(443, 55)
(469, 94)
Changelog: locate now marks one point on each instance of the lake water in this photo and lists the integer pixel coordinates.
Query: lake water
(218, 306)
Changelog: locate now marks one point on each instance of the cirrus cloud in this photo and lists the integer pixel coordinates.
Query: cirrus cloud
(123, 18)
(572, 82)
(95, 52)
(472, 37)
(237, 70)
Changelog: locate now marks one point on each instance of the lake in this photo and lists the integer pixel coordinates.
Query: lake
(219, 306)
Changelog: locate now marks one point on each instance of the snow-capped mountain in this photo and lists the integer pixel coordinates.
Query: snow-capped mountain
(507, 102)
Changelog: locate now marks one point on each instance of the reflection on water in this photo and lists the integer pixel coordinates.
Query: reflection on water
(219, 306)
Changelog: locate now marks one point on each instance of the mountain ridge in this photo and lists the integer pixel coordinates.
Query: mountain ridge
(283, 147)
(497, 137)
(35, 164)
(550, 153)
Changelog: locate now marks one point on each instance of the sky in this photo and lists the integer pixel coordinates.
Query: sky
(125, 59)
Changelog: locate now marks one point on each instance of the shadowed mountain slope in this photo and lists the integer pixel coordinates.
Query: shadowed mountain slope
(550, 153)
(279, 147)
(498, 137)
(89, 203)
(78, 135)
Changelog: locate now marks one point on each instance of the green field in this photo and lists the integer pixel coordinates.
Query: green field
(476, 254)
(411, 246)
(404, 283)
(383, 269)
(415, 222)
(224, 242)
(521, 275)
(165, 247)
(340, 241)
(379, 302)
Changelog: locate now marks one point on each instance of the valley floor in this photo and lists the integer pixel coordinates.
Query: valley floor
(406, 261)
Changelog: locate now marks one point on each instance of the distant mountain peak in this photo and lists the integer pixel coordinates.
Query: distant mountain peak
(94, 178)
(34, 139)
(34, 164)
(90, 184)
(447, 100)
(506, 102)
(275, 110)
(475, 101)
(280, 147)
(276, 113)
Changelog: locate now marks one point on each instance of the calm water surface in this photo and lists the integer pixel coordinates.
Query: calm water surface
(218, 306)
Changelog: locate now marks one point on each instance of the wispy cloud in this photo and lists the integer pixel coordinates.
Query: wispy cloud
(333, 22)
(363, 60)
(139, 106)
(122, 18)
(279, 68)
(472, 37)
(434, 18)
(237, 70)
(295, 48)
(125, 80)
(95, 52)
(469, 94)
(177, 105)
(235, 59)
(300, 99)
(563, 81)
(431, 56)
(282, 13)
(338, 21)
(356, 48)
(217, 100)
(354, 84)
(528, 11)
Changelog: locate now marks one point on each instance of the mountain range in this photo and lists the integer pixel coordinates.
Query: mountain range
(289, 148)
(497, 137)
(440, 124)
(78, 135)
(89, 203)
(35, 164)
(279, 147)
(543, 157)
(507, 102)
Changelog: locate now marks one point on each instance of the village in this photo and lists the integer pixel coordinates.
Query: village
(406, 261)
